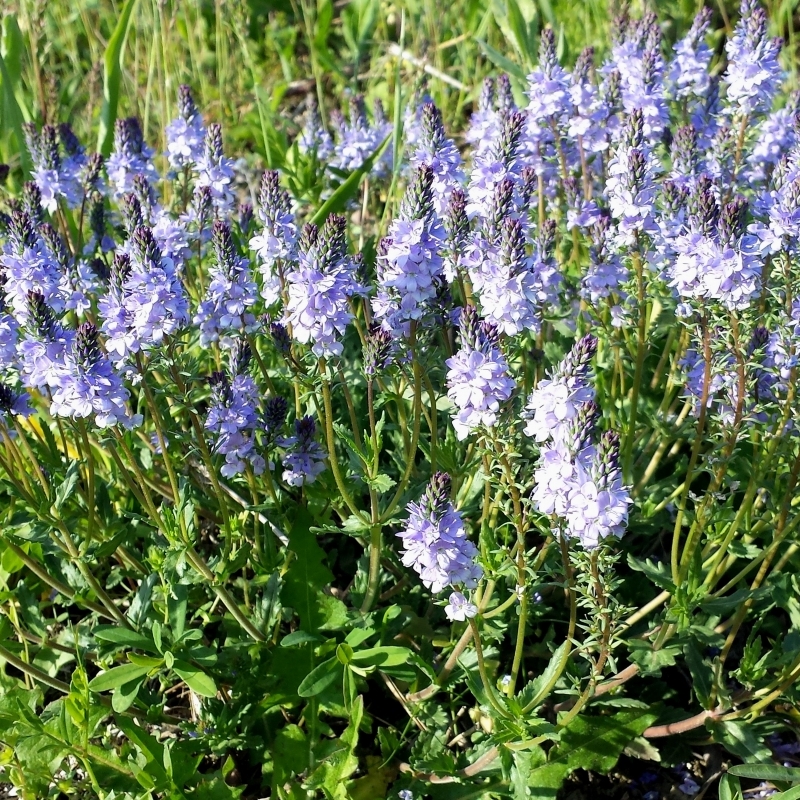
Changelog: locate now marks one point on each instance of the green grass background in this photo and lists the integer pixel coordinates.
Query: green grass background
(251, 62)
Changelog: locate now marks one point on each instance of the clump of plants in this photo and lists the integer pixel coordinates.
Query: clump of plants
(479, 472)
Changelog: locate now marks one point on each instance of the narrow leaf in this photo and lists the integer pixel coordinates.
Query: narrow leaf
(112, 79)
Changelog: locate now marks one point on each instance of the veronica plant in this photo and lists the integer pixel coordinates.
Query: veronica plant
(505, 491)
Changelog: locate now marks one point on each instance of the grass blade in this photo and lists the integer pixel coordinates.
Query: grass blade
(112, 78)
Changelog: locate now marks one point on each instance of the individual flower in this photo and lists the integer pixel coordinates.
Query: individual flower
(233, 416)
(90, 386)
(304, 459)
(410, 265)
(497, 163)
(320, 287)
(459, 609)
(555, 402)
(607, 272)
(215, 171)
(9, 332)
(13, 403)
(276, 244)
(630, 185)
(517, 285)
(564, 464)
(359, 140)
(588, 122)
(225, 313)
(478, 379)
(456, 228)
(435, 543)
(186, 133)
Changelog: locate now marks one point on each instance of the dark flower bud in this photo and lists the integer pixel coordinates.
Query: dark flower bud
(245, 218)
(32, 201)
(87, 346)
(132, 214)
(308, 237)
(186, 107)
(55, 244)
(43, 322)
(280, 337)
(92, 172)
(504, 96)
(69, 141)
(146, 247)
(584, 65)
(418, 200)
(240, 356)
(275, 412)
(377, 351)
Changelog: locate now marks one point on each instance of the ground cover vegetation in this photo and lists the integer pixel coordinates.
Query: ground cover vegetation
(399, 401)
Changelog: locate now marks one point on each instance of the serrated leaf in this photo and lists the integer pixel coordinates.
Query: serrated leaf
(531, 694)
(702, 676)
(658, 573)
(307, 575)
(591, 743)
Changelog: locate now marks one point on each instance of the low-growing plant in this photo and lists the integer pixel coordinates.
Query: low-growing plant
(426, 471)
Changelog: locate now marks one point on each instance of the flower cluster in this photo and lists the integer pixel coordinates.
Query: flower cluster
(435, 544)
(478, 379)
(233, 415)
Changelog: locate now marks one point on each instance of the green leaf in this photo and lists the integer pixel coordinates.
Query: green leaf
(124, 696)
(307, 575)
(320, 678)
(702, 676)
(112, 79)
(499, 60)
(176, 606)
(740, 739)
(124, 637)
(533, 693)
(67, 487)
(14, 112)
(766, 772)
(659, 573)
(729, 788)
(789, 794)
(338, 200)
(117, 677)
(297, 638)
(591, 743)
(195, 679)
(386, 656)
